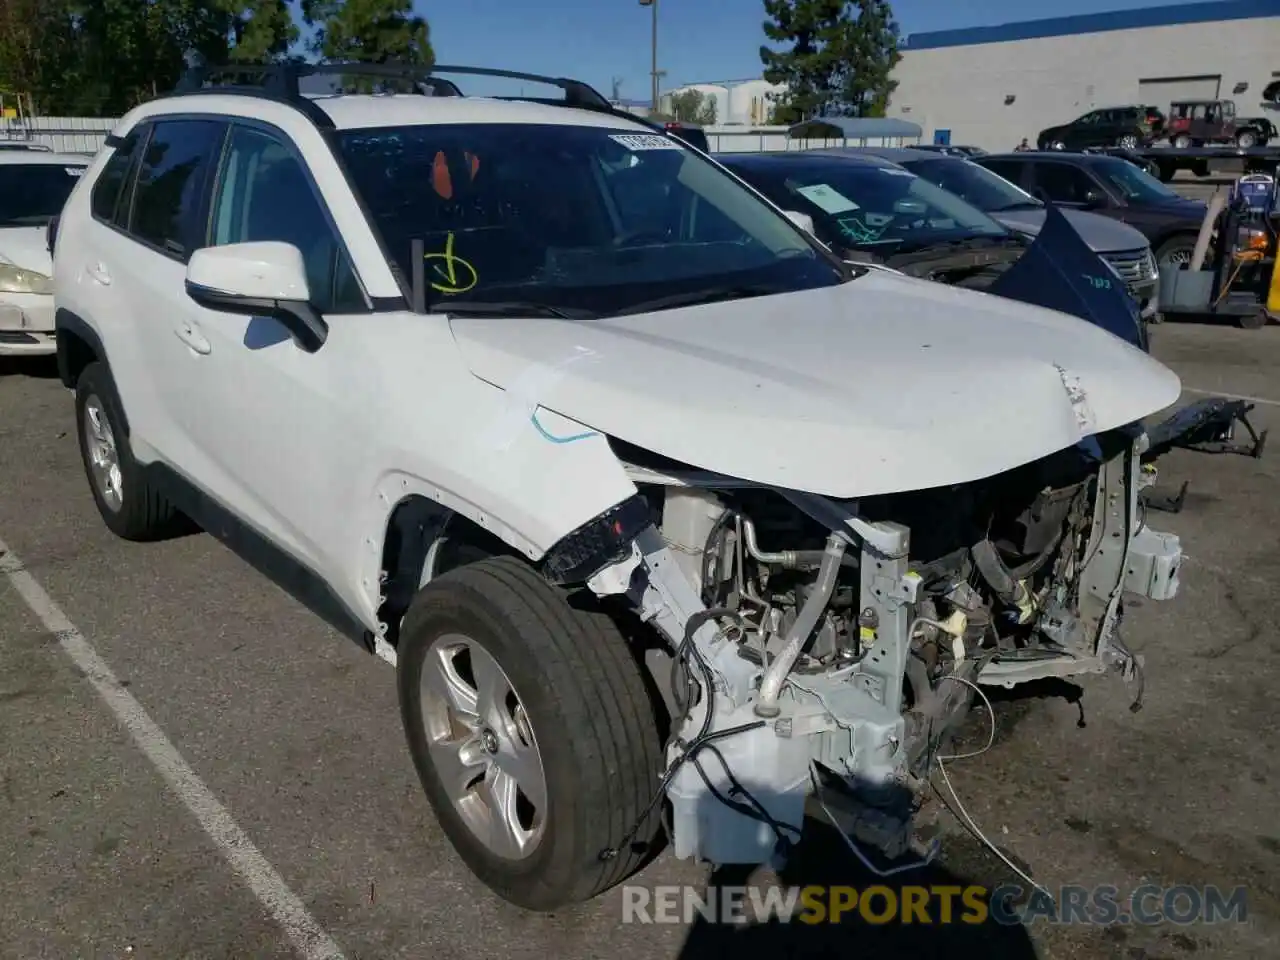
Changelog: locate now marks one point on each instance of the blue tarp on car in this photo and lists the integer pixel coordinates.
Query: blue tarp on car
(1060, 272)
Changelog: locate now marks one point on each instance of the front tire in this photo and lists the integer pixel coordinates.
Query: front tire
(1176, 251)
(127, 502)
(532, 732)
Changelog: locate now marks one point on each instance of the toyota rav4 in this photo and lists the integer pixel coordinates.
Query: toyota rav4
(667, 517)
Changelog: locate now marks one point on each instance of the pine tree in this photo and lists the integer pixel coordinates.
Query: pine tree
(837, 59)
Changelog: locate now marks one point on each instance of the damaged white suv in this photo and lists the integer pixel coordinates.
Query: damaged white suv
(664, 515)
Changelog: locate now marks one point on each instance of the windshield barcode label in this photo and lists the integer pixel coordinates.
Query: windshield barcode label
(644, 141)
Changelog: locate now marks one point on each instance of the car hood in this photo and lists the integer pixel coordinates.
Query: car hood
(882, 384)
(1102, 234)
(26, 247)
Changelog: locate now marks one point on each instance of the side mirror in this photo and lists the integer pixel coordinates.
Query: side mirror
(261, 279)
(801, 220)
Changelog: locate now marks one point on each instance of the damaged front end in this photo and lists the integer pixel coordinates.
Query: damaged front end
(807, 644)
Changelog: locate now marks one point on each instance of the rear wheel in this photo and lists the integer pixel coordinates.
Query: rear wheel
(1246, 139)
(1128, 142)
(1254, 321)
(1182, 141)
(127, 502)
(532, 732)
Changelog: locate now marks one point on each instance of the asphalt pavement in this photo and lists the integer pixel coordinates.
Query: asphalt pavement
(193, 766)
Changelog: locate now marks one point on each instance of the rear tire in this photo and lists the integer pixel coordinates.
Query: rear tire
(1246, 139)
(1182, 141)
(570, 688)
(127, 502)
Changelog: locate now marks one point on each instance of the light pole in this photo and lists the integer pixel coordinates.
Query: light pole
(654, 73)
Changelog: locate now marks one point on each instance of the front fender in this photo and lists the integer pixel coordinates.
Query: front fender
(530, 480)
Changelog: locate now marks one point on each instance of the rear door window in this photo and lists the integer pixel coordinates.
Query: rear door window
(1011, 170)
(1064, 183)
(172, 184)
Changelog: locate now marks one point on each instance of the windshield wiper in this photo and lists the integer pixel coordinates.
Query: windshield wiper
(1020, 205)
(698, 297)
(967, 243)
(512, 308)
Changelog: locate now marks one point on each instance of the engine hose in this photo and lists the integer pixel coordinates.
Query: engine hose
(996, 575)
(1001, 579)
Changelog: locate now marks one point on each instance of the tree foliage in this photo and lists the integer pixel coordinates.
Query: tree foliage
(693, 106)
(837, 57)
(102, 57)
(374, 31)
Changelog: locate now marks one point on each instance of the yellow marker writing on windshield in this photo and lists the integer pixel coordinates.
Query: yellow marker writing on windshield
(449, 267)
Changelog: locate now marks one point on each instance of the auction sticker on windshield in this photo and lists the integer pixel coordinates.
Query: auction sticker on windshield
(826, 197)
(644, 141)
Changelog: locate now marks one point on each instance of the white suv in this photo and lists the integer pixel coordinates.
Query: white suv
(34, 184)
(663, 514)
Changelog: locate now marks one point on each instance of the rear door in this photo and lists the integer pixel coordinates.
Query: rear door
(163, 225)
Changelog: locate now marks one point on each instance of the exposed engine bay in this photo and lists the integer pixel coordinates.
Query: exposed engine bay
(833, 647)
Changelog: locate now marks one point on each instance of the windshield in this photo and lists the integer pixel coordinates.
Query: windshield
(1132, 181)
(572, 218)
(974, 184)
(32, 194)
(861, 206)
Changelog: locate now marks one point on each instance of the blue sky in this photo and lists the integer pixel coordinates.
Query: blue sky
(698, 40)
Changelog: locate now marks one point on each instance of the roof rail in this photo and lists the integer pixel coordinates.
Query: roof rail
(281, 81)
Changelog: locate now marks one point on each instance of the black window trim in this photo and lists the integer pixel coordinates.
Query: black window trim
(283, 139)
(138, 135)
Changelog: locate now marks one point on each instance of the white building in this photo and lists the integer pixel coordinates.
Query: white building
(992, 86)
(738, 102)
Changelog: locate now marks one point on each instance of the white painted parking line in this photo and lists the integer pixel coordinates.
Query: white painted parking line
(1234, 396)
(307, 936)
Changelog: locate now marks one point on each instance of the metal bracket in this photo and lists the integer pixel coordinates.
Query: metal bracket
(1153, 499)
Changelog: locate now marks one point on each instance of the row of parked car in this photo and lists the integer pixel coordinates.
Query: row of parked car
(924, 212)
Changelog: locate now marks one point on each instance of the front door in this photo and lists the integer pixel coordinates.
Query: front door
(285, 441)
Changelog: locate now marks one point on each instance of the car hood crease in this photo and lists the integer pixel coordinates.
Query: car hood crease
(879, 385)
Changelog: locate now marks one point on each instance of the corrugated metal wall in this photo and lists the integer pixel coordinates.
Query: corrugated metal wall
(60, 134)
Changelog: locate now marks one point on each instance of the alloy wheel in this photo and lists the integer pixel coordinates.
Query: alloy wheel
(483, 747)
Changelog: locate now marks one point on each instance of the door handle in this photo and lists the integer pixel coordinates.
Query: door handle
(193, 338)
(98, 274)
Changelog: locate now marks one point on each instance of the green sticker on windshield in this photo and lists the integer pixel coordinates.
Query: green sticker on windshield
(827, 198)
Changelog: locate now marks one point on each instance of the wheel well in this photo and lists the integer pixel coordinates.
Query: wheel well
(74, 354)
(414, 528)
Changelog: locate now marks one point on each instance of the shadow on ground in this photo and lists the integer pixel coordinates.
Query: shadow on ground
(977, 929)
(40, 368)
